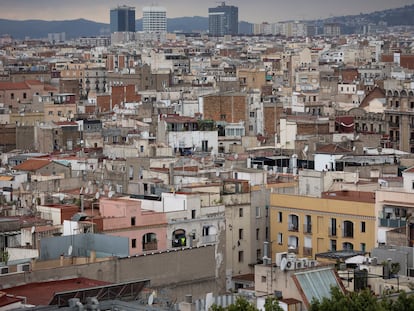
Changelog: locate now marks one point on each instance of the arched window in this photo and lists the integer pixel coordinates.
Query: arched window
(149, 242)
(348, 229)
(179, 238)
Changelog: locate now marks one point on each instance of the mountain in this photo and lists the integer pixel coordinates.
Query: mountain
(81, 27)
(39, 28)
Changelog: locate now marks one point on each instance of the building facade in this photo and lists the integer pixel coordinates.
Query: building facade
(154, 19)
(122, 19)
(223, 20)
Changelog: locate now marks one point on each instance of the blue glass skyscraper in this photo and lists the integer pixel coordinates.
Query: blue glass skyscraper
(223, 20)
(122, 19)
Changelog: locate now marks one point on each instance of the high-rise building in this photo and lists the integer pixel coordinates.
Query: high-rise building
(223, 20)
(122, 19)
(154, 19)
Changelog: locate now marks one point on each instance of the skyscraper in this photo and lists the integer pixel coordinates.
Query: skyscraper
(154, 19)
(122, 19)
(223, 20)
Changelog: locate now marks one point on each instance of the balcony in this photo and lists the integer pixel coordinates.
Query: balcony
(293, 249)
(293, 228)
(150, 246)
(392, 222)
(307, 251)
(207, 239)
(307, 228)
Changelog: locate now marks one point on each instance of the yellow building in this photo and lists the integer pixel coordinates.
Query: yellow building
(308, 226)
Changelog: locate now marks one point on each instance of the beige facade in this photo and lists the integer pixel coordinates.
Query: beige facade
(308, 226)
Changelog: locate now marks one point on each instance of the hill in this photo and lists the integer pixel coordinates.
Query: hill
(81, 27)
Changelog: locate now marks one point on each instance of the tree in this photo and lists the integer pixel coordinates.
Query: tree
(242, 304)
(271, 304)
(362, 300)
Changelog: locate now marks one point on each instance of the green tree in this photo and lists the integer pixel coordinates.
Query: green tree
(241, 304)
(271, 304)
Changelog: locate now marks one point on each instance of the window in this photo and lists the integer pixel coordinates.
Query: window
(133, 219)
(348, 229)
(12, 96)
(257, 233)
(193, 214)
(50, 113)
(333, 245)
(363, 247)
(222, 117)
(279, 216)
(59, 113)
(280, 238)
(24, 95)
(362, 226)
(241, 256)
(258, 254)
(241, 212)
(141, 148)
(240, 234)
(134, 243)
(251, 114)
(257, 211)
(263, 278)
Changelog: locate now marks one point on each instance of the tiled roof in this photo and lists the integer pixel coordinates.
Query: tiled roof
(332, 149)
(6, 86)
(41, 293)
(32, 165)
(409, 170)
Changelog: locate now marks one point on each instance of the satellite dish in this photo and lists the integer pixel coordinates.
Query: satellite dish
(70, 249)
(33, 230)
(283, 264)
(110, 194)
(97, 195)
(151, 299)
(81, 190)
(86, 190)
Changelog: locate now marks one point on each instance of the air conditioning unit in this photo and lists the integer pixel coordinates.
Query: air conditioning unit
(299, 264)
(304, 262)
(4, 270)
(312, 263)
(25, 267)
(279, 257)
(290, 265)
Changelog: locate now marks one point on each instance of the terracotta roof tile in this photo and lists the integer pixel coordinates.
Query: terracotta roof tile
(32, 165)
(5, 86)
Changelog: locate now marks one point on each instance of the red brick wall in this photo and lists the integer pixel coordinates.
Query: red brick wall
(103, 102)
(229, 108)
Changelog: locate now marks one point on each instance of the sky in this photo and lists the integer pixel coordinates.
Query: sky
(254, 11)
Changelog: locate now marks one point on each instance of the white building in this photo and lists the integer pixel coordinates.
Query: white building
(154, 19)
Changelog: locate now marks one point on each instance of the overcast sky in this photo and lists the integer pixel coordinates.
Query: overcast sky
(255, 11)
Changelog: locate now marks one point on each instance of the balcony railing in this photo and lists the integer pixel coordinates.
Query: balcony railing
(307, 228)
(293, 249)
(293, 228)
(209, 239)
(150, 246)
(392, 223)
(307, 251)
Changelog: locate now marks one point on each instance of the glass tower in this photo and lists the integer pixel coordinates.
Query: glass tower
(122, 19)
(223, 20)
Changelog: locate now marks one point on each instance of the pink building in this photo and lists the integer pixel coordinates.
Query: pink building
(146, 230)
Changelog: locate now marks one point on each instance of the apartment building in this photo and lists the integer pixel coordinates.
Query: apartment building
(307, 226)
